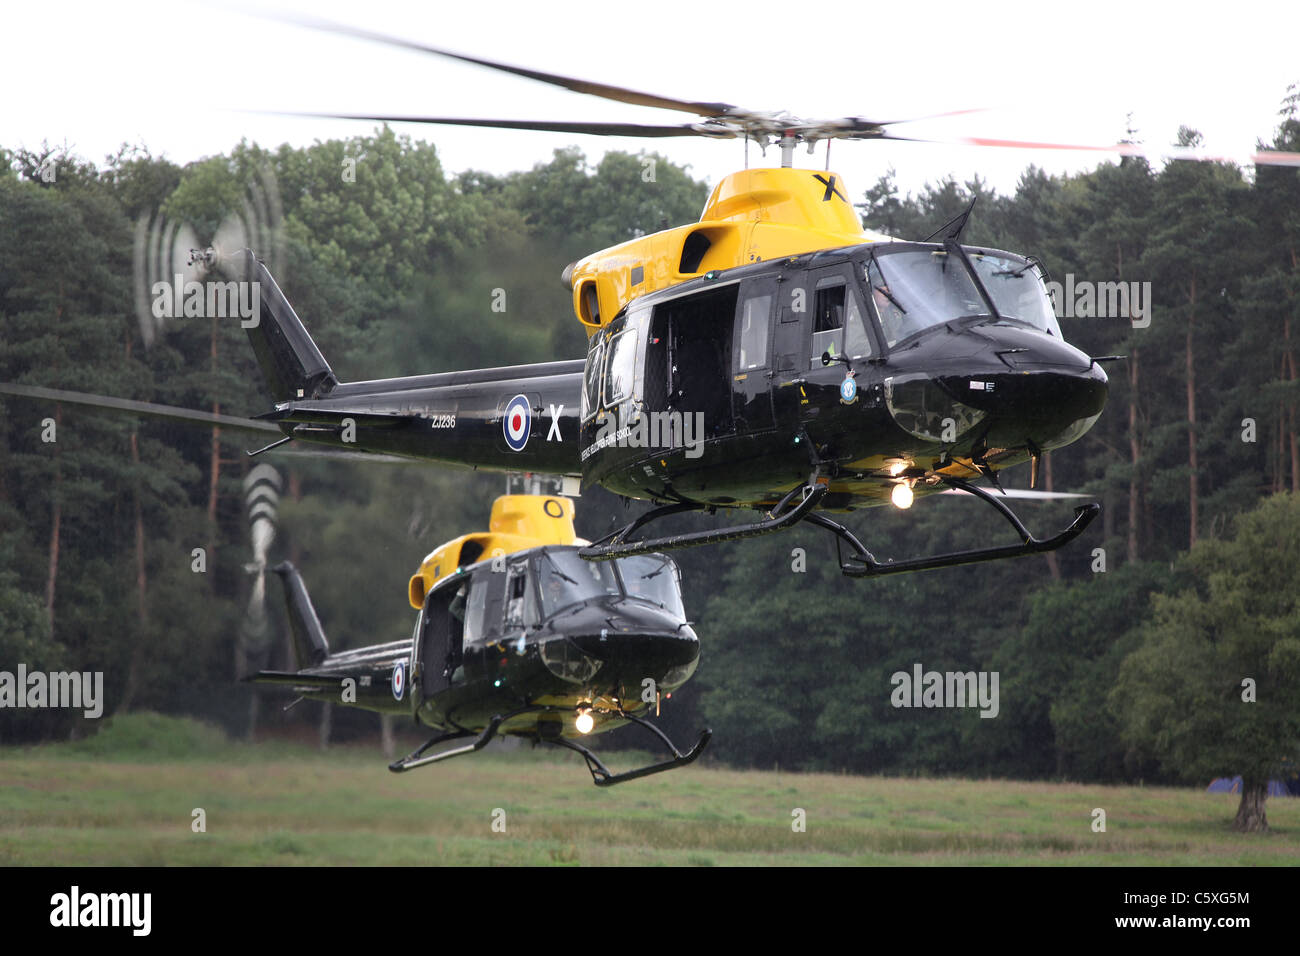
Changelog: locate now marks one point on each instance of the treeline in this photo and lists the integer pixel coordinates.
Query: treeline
(396, 267)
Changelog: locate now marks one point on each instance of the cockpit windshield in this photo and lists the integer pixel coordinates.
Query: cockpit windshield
(652, 578)
(915, 289)
(564, 579)
(1017, 290)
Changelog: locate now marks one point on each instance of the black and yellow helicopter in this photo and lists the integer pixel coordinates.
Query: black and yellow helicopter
(516, 635)
(773, 356)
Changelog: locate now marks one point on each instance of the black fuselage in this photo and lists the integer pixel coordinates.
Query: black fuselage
(514, 634)
(853, 365)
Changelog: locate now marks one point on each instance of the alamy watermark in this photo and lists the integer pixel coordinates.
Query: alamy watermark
(665, 430)
(127, 910)
(207, 300)
(946, 689)
(1085, 299)
(38, 690)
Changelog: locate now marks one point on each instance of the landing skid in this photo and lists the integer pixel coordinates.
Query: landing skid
(794, 507)
(600, 774)
(799, 505)
(415, 759)
(863, 564)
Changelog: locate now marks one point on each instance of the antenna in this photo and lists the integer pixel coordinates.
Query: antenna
(951, 230)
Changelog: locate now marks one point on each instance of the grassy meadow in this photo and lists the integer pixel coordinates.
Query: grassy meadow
(127, 795)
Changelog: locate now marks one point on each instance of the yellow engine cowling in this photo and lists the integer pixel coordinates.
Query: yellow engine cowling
(518, 522)
(752, 215)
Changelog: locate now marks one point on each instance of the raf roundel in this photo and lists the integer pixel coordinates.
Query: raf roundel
(518, 422)
(399, 680)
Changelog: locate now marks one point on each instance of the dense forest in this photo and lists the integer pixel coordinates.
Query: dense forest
(1121, 657)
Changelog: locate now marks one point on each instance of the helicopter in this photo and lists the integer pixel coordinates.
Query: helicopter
(515, 635)
(772, 357)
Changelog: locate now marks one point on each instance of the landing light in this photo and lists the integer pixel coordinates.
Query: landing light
(585, 722)
(901, 496)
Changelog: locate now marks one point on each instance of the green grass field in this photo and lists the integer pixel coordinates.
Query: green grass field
(126, 797)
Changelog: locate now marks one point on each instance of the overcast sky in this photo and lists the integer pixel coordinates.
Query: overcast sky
(176, 76)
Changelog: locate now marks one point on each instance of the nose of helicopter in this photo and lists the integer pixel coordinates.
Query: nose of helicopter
(642, 649)
(640, 640)
(1018, 385)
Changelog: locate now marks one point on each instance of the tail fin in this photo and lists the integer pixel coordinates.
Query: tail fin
(292, 364)
(309, 645)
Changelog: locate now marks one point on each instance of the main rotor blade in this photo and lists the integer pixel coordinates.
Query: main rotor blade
(1192, 154)
(849, 125)
(1024, 493)
(546, 126)
(603, 90)
(148, 409)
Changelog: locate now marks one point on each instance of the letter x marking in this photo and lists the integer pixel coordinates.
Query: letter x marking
(831, 188)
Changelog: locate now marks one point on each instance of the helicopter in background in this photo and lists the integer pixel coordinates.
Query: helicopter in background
(516, 635)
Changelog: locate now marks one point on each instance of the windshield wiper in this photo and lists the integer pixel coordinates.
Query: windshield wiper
(1030, 262)
(560, 574)
(884, 290)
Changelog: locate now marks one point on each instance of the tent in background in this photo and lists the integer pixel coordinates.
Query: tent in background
(1276, 788)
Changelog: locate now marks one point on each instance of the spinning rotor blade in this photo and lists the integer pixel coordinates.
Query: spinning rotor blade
(234, 430)
(594, 129)
(728, 121)
(1024, 493)
(231, 423)
(1258, 158)
(604, 90)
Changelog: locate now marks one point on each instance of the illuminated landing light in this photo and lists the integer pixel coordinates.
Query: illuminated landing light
(585, 722)
(896, 468)
(901, 496)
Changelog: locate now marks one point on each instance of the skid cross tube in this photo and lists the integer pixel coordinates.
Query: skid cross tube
(863, 563)
(414, 759)
(601, 775)
(786, 512)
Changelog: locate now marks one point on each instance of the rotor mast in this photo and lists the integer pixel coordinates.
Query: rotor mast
(789, 139)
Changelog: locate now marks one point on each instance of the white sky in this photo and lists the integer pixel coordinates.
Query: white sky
(175, 76)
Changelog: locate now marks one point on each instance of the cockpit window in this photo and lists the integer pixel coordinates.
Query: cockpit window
(653, 578)
(592, 375)
(1017, 290)
(917, 289)
(470, 605)
(564, 579)
(838, 325)
(621, 367)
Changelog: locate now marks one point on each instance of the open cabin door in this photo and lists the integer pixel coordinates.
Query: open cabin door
(439, 639)
(689, 357)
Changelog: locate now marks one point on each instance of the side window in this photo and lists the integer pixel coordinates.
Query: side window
(592, 376)
(828, 323)
(518, 605)
(755, 317)
(475, 605)
(621, 368)
(857, 335)
(894, 322)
